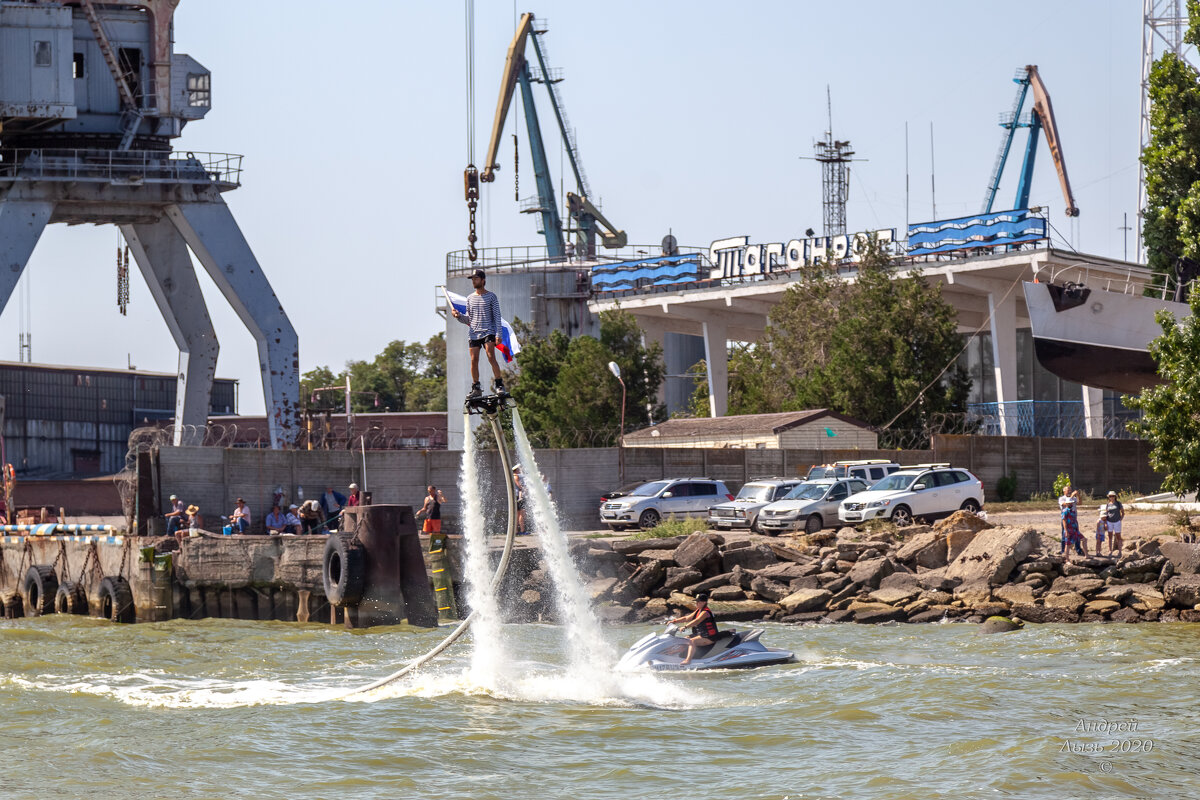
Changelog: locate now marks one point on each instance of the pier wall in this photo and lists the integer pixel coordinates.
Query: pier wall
(213, 478)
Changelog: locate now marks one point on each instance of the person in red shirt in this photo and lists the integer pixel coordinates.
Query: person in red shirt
(354, 496)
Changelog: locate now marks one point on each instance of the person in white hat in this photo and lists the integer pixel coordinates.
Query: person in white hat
(355, 499)
(1114, 512)
(176, 516)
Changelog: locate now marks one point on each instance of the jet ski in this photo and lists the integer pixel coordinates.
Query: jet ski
(731, 650)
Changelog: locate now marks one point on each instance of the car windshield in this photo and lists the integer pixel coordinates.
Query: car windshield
(808, 491)
(894, 482)
(755, 491)
(816, 473)
(649, 489)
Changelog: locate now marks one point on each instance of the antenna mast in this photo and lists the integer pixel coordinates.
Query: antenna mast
(835, 158)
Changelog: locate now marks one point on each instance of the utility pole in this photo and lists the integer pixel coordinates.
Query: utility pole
(1125, 227)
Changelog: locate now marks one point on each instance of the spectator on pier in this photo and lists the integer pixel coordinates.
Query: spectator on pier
(293, 520)
(1114, 512)
(176, 517)
(276, 521)
(311, 517)
(1068, 506)
(519, 485)
(355, 497)
(194, 520)
(432, 510)
(240, 518)
(332, 504)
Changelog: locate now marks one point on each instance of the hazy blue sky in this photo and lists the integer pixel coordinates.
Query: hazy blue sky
(690, 116)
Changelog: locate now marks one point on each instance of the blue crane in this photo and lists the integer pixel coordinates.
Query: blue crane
(1040, 119)
(588, 221)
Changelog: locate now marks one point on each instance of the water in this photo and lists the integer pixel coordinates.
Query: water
(224, 708)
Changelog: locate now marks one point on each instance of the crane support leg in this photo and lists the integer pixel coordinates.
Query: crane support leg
(1026, 182)
(21, 225)
(214, 236)
(551, 221)
(163, 257)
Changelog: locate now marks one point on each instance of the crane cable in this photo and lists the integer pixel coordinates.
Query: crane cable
(471, 174)
(496, 578)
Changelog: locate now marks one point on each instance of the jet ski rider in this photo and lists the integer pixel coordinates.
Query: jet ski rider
(704, 626)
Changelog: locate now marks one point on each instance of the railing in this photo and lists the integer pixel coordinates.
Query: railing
(1132, 281)
(1061, 419)
(537, 257)
(136, 166)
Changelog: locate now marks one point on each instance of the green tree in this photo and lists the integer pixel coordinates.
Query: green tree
(404, 377)
(1171, 160)
(1170, 420)
(566, 394)
(867, 348)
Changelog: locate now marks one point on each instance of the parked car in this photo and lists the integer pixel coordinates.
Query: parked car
(648, 504)
(868, 469)
(811, 506)
(743, 510)
(925, 491)
(622, 492)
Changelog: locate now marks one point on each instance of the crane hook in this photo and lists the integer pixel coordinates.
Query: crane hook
(471, 187)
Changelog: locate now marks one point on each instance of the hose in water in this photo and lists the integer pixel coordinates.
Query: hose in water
(499, 576)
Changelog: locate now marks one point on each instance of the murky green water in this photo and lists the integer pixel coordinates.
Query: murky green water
(220, 708)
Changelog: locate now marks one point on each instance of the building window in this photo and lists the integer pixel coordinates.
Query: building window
(77, 66)
(42, 54)
(199, 89)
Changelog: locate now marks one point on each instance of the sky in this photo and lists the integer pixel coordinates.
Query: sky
(692, 118)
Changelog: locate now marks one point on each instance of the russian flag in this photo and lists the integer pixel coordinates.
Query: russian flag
(508, 344)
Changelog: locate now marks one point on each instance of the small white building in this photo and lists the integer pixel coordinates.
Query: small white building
(815, 429)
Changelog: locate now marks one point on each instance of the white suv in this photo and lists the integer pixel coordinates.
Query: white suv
(867, 469)
(924, 490)
(648, 504)
(812, 505)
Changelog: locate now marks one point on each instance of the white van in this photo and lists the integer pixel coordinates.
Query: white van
(867, 469)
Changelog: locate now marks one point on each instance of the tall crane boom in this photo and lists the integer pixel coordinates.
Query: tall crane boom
(1041, 118)
(588, 221)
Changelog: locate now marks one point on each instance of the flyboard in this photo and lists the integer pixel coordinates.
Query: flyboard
(489, 407)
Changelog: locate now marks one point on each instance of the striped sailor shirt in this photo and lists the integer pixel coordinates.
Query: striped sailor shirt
(483, 315)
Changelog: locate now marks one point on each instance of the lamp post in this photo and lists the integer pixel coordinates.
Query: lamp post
(616, 371)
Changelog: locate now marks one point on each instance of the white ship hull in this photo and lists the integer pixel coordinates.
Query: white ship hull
(1096, 338)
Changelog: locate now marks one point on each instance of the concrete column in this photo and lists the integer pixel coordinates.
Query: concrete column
(21, 225)
(1093, 412)
(166, 265)
(654, 332)
(716, 338)
(213, 234)
(1004, 357)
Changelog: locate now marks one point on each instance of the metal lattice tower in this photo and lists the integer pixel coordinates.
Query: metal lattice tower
(1163, 25)
(835, 158)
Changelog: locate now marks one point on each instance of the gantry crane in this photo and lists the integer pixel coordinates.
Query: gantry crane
(1041, 118)
(587, 221)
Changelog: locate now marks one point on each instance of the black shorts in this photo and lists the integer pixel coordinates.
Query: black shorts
(473, 343)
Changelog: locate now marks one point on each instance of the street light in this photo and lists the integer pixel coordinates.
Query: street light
(616, 371)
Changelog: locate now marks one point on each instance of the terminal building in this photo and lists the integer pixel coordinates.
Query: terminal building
(695, 301)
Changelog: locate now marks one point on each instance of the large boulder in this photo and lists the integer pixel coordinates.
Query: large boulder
(874, 613)
(749, 558)
(613, 615)
(1101, 606)
(679, 577)
(600, 588)
(708, 584)
(960, 529)
(1044, 614)
(768, 589)
(1014, 594)
(649, 576)
(788, 570)
(805, 600)
(1071, 601)
(785, 553)
(1145, 597)
(895, 595)
(1085, 584)
(1184, 556)
(973, 593)
(870, 572)
(741, 610)
(993, 554)
(924, 550)
(727, 593)
(630, 547)
(698, 552)
(1182, 591)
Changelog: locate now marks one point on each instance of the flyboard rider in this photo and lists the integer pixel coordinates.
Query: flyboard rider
(483, 318)
(704, 626)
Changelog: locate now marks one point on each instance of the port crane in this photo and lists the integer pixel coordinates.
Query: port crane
(587, 223)
(1040, 119)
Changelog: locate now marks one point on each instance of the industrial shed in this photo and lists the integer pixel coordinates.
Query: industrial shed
(790, 430)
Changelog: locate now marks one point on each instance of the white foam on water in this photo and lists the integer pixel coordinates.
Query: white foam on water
(489, 661)
(590, 655)
(157, 691)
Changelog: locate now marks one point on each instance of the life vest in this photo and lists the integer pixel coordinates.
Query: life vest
(705, 626)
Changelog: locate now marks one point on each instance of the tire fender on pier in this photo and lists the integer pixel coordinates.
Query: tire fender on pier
(116, 600)
(39, 589)
(70, 599)
(345, 569)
